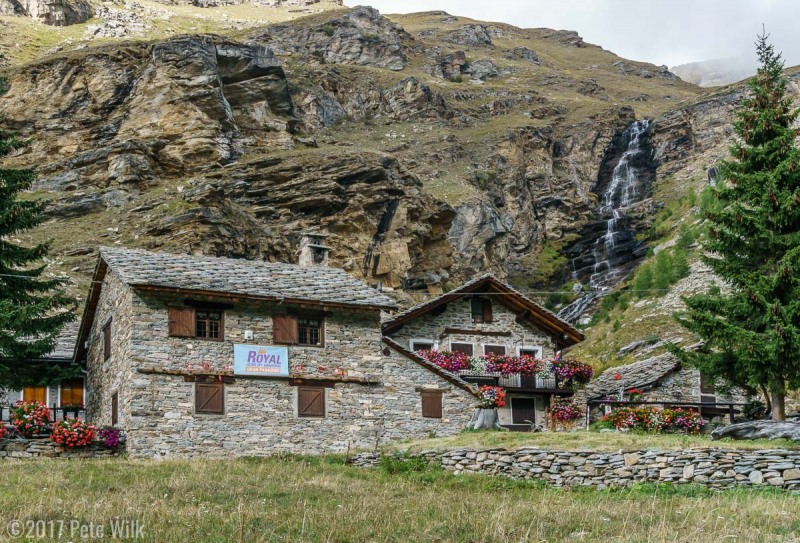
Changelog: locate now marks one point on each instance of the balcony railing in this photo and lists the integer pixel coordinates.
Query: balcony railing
(515, 380)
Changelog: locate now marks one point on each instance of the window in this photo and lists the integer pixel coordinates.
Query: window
(465, 348)
(208, 324)
(310, 401)
(494, 349)
(421, 345)
(71, 392)
(707, 384)
(209, 398)
(309, 331)
(481, 311)
(114, 409)
(536, 352)
(291, 330)
(107, 341)
(196, 323)
(431, 404)
(35, 394)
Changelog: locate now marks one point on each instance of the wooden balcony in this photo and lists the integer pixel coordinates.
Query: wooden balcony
(517, 382)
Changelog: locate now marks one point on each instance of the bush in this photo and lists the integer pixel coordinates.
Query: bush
(72, 433)
(30, 418)
(490, 397)
(652, 419)
(109, 436)
(565, 411)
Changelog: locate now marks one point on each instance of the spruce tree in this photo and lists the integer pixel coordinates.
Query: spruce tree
(33, 309)
(751, 327)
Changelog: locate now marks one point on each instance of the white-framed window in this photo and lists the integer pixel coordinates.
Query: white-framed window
(536, 351)
(494, 349)
(420, 344)
(462, 347)
(35, 393)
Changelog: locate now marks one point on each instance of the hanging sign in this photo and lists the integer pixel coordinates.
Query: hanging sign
(264, 360)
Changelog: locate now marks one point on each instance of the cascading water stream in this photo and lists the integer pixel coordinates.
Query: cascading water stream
(621, 193)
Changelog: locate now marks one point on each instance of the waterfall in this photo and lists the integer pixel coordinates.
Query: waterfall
(613, 248)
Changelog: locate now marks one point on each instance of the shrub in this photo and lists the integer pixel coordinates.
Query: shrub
(565, 411)
(571, 372)
(652, 419)
(109, 436)
(508, 365)
(450, 361)
(30, 418)
(72, 433)
(329, 29)
(490, 397)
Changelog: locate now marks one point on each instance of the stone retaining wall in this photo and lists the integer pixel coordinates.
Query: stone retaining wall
(715, 468)
(44, 448)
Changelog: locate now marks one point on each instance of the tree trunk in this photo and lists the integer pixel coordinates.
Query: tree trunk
(778, 400)
(767, 401)
(484, 419)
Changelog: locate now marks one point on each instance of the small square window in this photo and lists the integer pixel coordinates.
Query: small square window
(208, 324)
(421, 346)
(310, 402)
(209, 398)
(309, 331)
(494, 349)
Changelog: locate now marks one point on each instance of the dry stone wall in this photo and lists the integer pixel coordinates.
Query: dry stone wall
(11, 449)
(715, 468)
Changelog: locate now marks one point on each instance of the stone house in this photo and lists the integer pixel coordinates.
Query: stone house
(662, 378)
(202, 356)
(61, 394)
(486, 316)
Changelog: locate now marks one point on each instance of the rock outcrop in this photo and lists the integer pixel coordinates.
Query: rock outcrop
(759, 429)
(51, 12)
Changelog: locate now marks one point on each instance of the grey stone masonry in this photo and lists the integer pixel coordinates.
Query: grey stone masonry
(711, 467)
(372, 393)
(12, 449)
(458, 316)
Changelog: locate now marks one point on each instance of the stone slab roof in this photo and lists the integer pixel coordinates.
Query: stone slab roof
(255, 278)
(65, 342)
(637, 375)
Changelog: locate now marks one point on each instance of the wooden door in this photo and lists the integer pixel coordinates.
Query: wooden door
(523, 410)
(35, 394)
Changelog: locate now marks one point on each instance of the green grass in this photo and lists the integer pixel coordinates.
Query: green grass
(319, 499)
(582, 440)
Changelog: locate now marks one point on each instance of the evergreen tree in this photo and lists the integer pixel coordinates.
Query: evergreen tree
(751, 329)
(33, 309)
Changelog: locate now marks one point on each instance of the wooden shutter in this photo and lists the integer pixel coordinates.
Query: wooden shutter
(34, 394)
(72, 392)
(209, 398)
(465, 348)
(310, 402)
(284, 329)
(181, 322)
(432, 404)
(487, 311)
(107, 341)
(114, 409)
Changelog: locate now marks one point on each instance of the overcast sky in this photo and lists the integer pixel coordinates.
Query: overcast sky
(660, 31)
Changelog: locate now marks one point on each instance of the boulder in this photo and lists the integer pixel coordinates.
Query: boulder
(759, 429)
(51, 12)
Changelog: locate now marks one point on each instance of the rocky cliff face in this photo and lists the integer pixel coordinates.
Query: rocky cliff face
(51, 12)
(430, 147)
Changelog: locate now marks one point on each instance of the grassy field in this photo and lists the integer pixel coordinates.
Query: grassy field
(582, 440)
(321, 499)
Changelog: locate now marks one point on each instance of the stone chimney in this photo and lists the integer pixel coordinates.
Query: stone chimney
(313, 251)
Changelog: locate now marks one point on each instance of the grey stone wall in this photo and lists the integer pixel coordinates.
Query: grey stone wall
(715, 468)
(157, 410)
(458, 315)
(44, 448)
(105, 377)
(402, 411)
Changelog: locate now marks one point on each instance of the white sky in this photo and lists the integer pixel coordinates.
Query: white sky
(667, 32)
